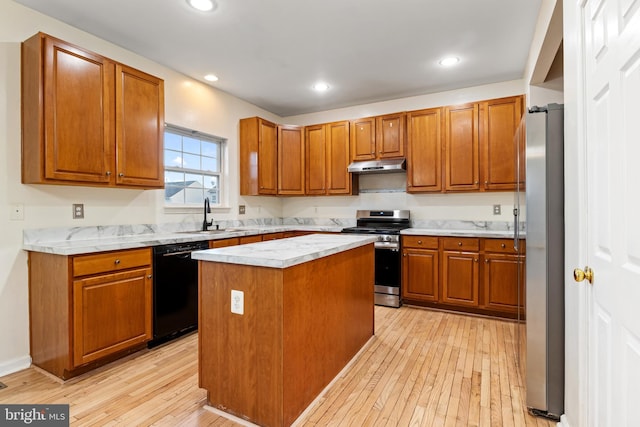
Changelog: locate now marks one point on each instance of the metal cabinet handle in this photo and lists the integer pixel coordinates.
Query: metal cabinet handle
(459, 243)
(475, 260)
(121, 174)
(503, 246)
(486, 261)
(117, 261)
(108, 173)
(476, 183)
(419, 242)
(149, 276)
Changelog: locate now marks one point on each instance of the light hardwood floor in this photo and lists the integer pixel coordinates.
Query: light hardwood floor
(422, 367)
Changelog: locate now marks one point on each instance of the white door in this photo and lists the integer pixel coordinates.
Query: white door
(611, 93)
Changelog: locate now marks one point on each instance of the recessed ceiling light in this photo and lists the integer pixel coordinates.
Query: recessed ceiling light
(321, 87)
(449, 61)
(202, 5)
(211, 78)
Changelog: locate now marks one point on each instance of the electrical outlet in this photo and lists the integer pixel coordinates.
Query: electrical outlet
(78, 211)
(17, 212)
(237, 302)
(241, 209)
(497, 209)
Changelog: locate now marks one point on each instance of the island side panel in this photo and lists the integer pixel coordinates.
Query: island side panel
(328, 317)
(240, 356)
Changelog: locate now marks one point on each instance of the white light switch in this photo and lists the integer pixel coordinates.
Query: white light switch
(237, 302)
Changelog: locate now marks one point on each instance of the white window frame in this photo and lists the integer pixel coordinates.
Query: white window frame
(221, 174)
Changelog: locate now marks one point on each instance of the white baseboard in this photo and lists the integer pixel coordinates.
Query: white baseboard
(564, 422)
(15, 365)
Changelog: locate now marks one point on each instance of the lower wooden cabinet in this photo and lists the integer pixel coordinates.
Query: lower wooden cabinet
(420, 268)
(88, 309)
(467, 274)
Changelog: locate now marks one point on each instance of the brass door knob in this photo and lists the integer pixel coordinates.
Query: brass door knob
(579, 275)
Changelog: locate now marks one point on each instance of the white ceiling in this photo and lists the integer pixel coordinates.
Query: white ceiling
(271, 52)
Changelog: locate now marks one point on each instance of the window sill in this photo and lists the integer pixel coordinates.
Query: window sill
(189, 209)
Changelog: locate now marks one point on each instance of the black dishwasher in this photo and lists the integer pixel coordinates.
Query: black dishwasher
(175, 291)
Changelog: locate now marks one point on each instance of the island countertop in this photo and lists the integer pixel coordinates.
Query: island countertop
(283, 253)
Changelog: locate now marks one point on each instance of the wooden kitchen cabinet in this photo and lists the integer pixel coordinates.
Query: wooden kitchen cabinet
(500, 120)
(316, 159)
(327, 158)
(460, 271)
(420, 268)
(461, 148)
(480, 152)
(88, 120)
(291, 172)
(258, 157)
(86, 310)
(424, 150)
(502, 265)
(363, 139)
(378, 137)
(478, 275)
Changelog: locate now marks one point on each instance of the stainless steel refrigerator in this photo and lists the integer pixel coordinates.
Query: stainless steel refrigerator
(543, 299)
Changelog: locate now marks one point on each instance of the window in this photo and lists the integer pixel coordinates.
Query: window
(193, 167)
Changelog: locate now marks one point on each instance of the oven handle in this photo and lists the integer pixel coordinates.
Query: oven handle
(393, 246)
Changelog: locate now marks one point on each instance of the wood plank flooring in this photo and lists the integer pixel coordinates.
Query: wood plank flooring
(422, 368)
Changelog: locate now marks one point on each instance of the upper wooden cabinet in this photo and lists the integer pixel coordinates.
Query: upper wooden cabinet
(271, 158)
(480, 152)
(88, 120)
(378, 137)
(327, 158)
(499, 122)
(291, 160)
(424, 150)
(461, 148)
(258, 157)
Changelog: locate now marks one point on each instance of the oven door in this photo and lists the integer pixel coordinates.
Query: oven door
(387, 275)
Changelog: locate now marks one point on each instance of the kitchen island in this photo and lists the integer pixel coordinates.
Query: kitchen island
(278, 320)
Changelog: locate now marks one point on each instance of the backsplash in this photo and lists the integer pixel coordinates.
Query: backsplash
(61, 234)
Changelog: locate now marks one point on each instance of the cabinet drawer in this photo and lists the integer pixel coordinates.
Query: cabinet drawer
(111, 261)
(460, 244)
(420, 242)
(502, 246)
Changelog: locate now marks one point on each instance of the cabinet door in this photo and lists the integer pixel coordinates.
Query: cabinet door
(424, 150)
(501, 282)
(390, 135)
(461, 148)
(267, 157)
(338, 179)
(78, 119)
(315, 164)
(363, 139)
(500, 119)
(420, 274)
(111, 313)
(290, 160)
(460, 278)
(139, 128)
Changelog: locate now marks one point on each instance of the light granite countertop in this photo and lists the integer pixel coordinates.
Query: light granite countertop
(283, 253)
(99, 240)
(504, 234)
(91, 239)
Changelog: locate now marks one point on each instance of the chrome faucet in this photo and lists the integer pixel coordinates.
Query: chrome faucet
(207, 209)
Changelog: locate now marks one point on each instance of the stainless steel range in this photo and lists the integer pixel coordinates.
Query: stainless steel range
(387, 226)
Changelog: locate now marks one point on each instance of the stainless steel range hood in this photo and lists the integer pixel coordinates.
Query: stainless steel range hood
(378, 166)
